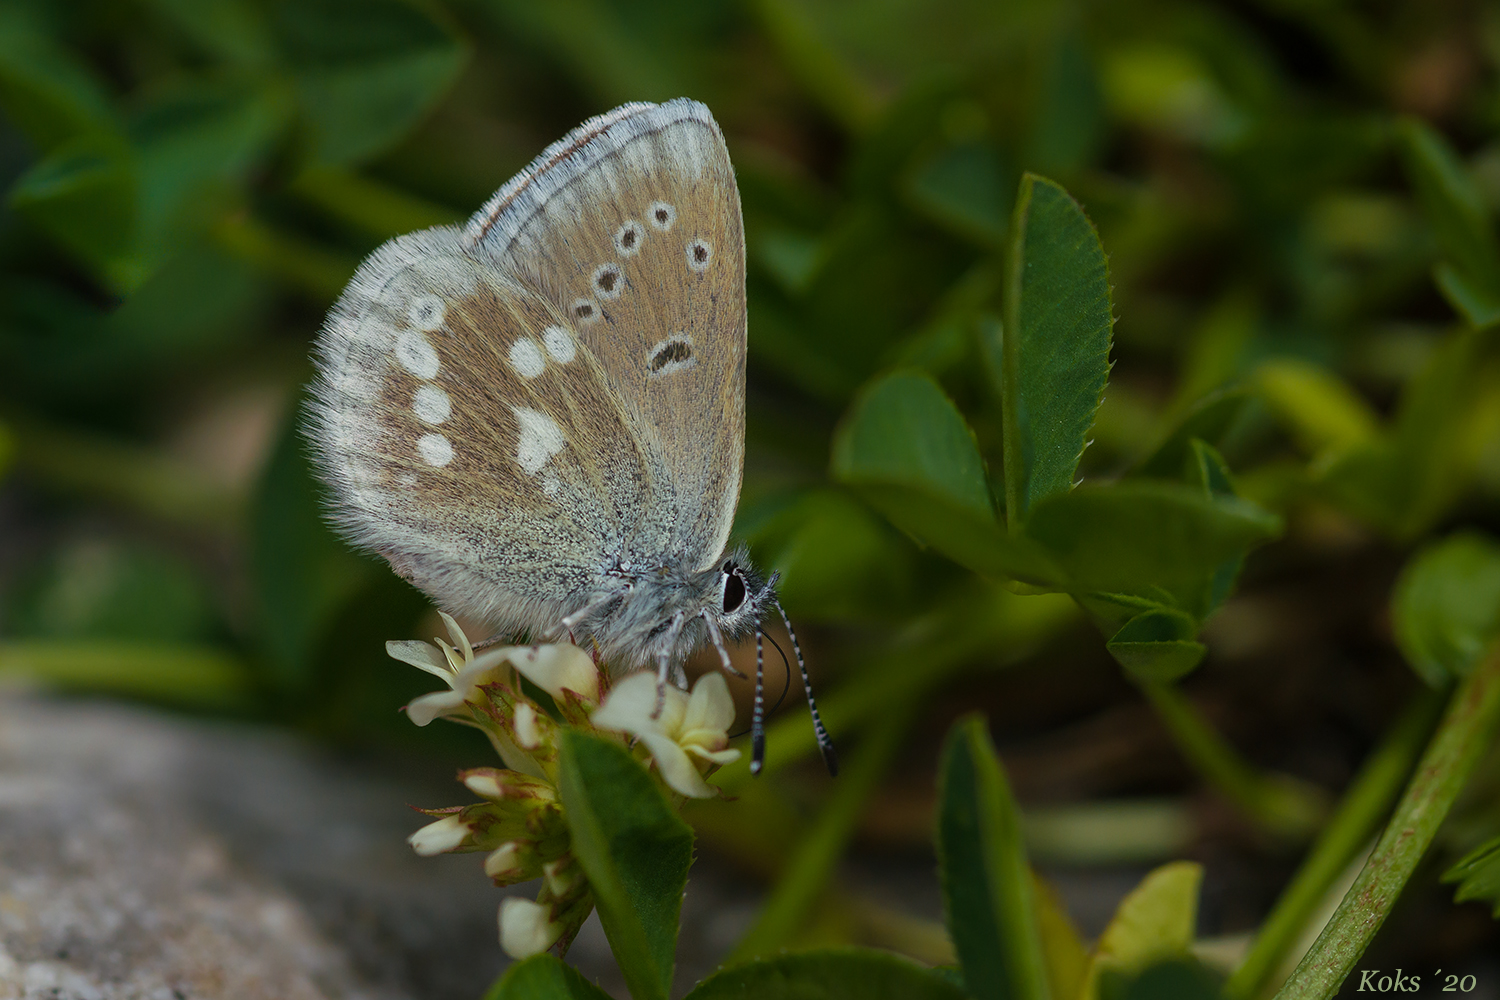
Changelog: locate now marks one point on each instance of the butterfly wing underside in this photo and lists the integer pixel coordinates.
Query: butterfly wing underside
(503, 409)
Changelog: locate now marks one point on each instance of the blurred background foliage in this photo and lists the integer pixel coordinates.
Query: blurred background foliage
(1298, 203)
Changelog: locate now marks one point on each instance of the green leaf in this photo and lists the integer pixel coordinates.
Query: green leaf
(1446, 606)
(195, 677)
(1210, 419)
(1478, 876)
(47, 92)
(543, 977)
(1176, 979)
(1323, 413)
(1156, 922)
(903, 430)
(302, 573)
(1055, 344)
(828, 975)
(83, 195)
(1142, 537)
(636, 852)
(904, 447)
(231, 30)
(1158, 645)
(966, 187)
(1476, 302)
(987, 886)
(367, 71)
(1454, 206)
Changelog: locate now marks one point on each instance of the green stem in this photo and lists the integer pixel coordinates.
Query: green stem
(1364, 805)
(376, 208)
(1276, 802)
(802, 881)
(1467, 727)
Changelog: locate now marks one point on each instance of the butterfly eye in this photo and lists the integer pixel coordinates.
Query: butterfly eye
(734, 591)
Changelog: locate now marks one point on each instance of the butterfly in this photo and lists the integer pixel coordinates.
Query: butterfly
(538, 417)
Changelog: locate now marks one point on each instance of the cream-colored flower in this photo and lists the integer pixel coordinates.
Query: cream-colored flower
(526, 927)
(552, 667)
(456, 665)
(687, 727)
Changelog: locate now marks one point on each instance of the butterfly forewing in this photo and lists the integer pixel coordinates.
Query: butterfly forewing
(631, 224)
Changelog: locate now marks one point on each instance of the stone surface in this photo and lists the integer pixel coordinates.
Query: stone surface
(144, 855)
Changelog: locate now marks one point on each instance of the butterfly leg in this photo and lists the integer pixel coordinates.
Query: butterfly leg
(718, 640)
(663, 668)
(825, 742)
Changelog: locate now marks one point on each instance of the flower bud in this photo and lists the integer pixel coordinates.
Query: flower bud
(436, 838)
(526, 927)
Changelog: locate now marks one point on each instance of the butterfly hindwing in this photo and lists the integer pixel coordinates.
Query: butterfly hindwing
(470, 438)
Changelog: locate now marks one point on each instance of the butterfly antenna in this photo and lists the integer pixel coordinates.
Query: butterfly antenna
(825, 743)
(663, 666)
(758, 716)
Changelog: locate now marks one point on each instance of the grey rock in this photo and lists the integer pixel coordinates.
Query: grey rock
(145, 855)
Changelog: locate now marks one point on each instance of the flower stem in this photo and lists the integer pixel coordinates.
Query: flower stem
(1468, 724)
(1349, 831)
(802, 881)
(1275, 802)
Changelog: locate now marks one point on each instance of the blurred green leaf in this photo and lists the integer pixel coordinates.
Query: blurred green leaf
(100, 588)
(1179, 979)
(966, 187)
(1209, 419)
(194, 677)
(837, 559)
(366, 70)
(232, 30)
(1320, 409)
(1478, 876)
(1458, 217)
(1158, 645)
(635, 851)
(302, 573)
(1446, 607)
(1156, 922)
(375, 208)
(196, 143)
(987, 891)
(1054, 345)
(1146, 538)
(904, 448)
(828, 975)
(543, 977)
(83, 194)
(47, 91)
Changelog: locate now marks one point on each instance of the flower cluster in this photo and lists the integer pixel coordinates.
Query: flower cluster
(520, 822)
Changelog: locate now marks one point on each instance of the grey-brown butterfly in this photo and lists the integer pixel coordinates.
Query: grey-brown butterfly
(538, 417)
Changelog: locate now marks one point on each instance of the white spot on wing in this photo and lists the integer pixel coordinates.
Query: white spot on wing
(527, 357)
(435, 450)
(416, 355)
(431, 404)
(661, 215)
(539, 439)
(426, 313)
(559, 344)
